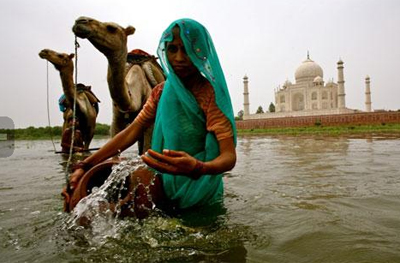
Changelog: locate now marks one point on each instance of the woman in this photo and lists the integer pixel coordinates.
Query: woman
(67, 135)
(194, 134)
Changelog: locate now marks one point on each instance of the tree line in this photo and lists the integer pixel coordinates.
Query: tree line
(46, 132)
(260, 110)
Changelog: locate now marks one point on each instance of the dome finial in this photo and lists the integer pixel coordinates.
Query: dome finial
(308, 54)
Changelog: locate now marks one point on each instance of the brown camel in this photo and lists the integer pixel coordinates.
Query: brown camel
(85, 100)
(130, 84)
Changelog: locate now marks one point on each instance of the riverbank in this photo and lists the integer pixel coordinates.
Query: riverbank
(102, 131)
(325, 130)
(45, 133)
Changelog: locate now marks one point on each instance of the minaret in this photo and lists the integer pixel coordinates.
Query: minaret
(341, 94)
(246, 103)
(367, 95)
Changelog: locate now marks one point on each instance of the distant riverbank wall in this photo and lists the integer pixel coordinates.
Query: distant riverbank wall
(358, 118)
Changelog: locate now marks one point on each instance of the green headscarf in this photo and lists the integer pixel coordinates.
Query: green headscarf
(180, 122)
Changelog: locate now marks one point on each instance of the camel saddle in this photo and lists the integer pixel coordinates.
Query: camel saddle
(138, 56)
(64, 105)
(88, 91)
(149, 65)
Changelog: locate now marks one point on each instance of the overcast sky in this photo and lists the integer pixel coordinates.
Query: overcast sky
(266, 40)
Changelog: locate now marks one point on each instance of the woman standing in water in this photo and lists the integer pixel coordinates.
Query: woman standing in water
(194, 134)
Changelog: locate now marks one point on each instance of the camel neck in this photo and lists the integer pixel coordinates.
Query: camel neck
(68, 84)
(119, 58)
(116, 82)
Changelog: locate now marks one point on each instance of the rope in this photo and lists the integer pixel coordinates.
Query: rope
(71, 149)
(48, 106)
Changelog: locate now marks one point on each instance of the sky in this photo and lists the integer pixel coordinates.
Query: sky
(265, 40)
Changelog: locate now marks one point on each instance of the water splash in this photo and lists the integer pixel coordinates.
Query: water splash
(199, 234)
(96, 215)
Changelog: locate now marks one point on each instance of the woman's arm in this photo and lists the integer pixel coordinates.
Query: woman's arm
(226, 159)
(181, 163)
(117, 144)
(125, 138)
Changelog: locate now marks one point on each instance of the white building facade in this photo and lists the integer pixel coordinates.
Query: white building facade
(308, 96)
(309, 92)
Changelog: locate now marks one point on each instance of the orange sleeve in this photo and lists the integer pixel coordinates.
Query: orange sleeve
(147, 115)
(216, 121)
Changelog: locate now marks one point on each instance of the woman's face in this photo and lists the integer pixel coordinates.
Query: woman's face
(178, 57)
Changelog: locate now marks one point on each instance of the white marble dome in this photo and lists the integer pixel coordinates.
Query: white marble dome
(308, 71)
(287, 83)
(318, 80)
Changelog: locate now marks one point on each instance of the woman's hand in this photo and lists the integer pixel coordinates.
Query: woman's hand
(174, 162)
(75, 177)
(68, 190)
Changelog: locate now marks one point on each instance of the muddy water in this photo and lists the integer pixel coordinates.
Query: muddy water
(289, 199)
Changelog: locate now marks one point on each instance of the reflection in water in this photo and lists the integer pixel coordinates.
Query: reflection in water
(289, 199)
(322, 196)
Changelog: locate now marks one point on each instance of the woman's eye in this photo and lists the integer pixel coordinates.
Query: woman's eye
(172, 48)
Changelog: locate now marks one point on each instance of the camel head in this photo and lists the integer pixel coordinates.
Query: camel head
(61, 61)
(109, 38)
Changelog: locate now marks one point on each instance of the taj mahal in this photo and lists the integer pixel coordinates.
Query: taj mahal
(309, 95)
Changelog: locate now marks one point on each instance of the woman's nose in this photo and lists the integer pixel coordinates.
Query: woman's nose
(180, 55)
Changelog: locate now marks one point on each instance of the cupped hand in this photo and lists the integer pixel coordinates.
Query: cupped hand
(68, 190)
(170, 161)
(75, 177)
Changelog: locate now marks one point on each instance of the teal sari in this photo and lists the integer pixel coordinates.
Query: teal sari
(180, 123)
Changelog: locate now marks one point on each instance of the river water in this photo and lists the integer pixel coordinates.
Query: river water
(289, 199)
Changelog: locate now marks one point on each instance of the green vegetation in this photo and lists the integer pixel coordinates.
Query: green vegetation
(42, 133)
(103, 130)
(326, 130)
(239, 116)
(271, 107)
(259, 110)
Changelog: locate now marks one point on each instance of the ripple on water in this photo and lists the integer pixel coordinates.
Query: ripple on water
(157, 238)
(288, 199)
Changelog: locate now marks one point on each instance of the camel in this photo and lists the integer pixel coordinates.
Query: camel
(85, 101)
(130, 84)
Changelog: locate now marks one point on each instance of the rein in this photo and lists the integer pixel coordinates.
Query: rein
(48, 106)
(71, 149)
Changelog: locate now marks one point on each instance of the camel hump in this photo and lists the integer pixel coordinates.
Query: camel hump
(149, 65)
(154, 73)
(88, 92)
(91, 97)
(93, 100)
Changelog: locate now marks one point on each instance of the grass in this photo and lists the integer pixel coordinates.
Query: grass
(102, 131)
(328, 130)
(45, 133)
